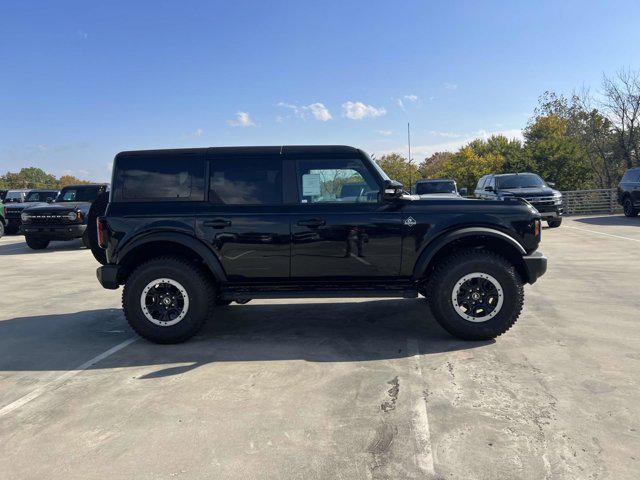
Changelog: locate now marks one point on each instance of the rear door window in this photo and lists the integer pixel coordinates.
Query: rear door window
(241, 181)
(162, 176)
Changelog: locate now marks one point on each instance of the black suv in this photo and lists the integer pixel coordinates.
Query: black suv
(64, 219)
(629, 192)
(525, 185)
(187, 230)
(13, 211)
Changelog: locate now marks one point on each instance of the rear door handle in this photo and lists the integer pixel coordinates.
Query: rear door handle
(217, 223)
(313, 222)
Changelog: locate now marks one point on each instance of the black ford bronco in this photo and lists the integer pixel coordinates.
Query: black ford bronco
(186, 231)
(64, 219)
(13, 211)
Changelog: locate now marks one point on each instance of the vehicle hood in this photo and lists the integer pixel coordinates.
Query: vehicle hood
(21, 206)
(528, 192)
(61, 207)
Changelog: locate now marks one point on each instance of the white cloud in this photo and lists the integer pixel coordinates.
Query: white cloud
(450, 86)
(385, 133)
(243, 119)
(82, 34)
(195, 134)
(109, 167)
(410, 98)
(358, 111)
(318, 110)
(445, 134)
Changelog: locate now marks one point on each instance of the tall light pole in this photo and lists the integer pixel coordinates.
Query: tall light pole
(409, 145)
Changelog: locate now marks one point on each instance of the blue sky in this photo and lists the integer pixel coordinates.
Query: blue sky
(80, 81)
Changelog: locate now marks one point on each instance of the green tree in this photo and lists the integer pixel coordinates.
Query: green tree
(398, 168)
(30, 177)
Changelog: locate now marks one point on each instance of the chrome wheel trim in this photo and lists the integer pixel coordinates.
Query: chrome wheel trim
(181, 291)
(462, 311)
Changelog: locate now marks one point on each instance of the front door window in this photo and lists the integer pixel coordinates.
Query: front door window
(336, 181)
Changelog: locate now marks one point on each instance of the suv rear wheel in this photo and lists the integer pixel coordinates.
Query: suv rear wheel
(36, 243)
(475, 294)
(168, 299)
(629, 209)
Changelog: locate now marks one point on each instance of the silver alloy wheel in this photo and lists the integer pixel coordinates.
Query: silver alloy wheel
(164, 302)
(477, 297)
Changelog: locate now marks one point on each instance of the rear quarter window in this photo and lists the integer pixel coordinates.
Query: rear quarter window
(161, 176)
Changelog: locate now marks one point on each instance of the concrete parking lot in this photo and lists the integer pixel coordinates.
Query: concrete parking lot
(326, 389)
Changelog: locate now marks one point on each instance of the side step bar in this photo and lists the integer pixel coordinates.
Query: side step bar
(246, 294)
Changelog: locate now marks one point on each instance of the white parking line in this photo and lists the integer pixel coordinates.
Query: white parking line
(58, 382)
(424, 454)
(605, 234)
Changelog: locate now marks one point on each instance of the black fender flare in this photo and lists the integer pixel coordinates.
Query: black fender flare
(208, 257)
(431, 250)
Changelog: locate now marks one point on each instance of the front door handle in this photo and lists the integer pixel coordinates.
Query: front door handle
(313, 222)
(217, 223)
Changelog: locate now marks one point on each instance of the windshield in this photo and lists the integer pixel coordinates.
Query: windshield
(39, 196)
(528, 180)
(423, 188)
(87, 194)
(13, 197)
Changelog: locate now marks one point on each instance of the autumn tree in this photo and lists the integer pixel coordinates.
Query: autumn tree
(398, 168)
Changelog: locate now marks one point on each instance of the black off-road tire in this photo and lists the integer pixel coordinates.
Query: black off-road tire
(453, 268)
(11, 230)
(1, 229)
(85, 240)
(197, 284)
(629, 209)
(98, 208)
(36, 243)
(554, 223)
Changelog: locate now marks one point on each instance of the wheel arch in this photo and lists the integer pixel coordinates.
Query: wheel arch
(472, 237)
(144, 248)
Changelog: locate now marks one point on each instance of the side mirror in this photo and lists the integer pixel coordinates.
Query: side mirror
(551, 184)
(391, 189)
(488, 189)
(463, 191)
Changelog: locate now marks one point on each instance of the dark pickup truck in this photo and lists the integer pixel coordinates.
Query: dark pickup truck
(186, 231)
(64, 219)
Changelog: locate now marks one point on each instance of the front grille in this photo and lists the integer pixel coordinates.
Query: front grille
(46, 219)
(12, 213)
(540, 200)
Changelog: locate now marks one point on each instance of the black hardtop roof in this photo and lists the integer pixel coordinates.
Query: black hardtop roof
(43, 190)
(514, 173)
(433, 180)
(254, 150)
(84, 185)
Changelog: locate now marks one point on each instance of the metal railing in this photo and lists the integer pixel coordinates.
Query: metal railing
(578, 202)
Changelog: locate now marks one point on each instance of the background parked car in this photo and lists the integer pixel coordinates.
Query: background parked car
(629, 192)
(13, 211)
(2, 220)
(524, 185)
(15, 196)
(64, 219)
(436, 186)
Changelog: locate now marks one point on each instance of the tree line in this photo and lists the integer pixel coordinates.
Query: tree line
(580, 141)
(33, 177)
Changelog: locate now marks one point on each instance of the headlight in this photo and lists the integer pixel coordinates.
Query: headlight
(73, 216)
(24, 216)
(557, 198)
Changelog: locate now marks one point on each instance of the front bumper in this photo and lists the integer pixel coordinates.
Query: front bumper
(535, 265)
(61, 232)
(108, 276)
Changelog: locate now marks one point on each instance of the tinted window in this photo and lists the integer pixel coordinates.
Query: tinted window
(81, 194)
(527, 180)
(168, 176)
(435, 187)
(481, 183)
(336, 181)
(40, 196)
(246, 181)
(631, 176)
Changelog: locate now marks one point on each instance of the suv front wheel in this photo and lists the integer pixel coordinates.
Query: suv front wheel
(168, 299)
(475, 294)
(36, 243)
(629, 209)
